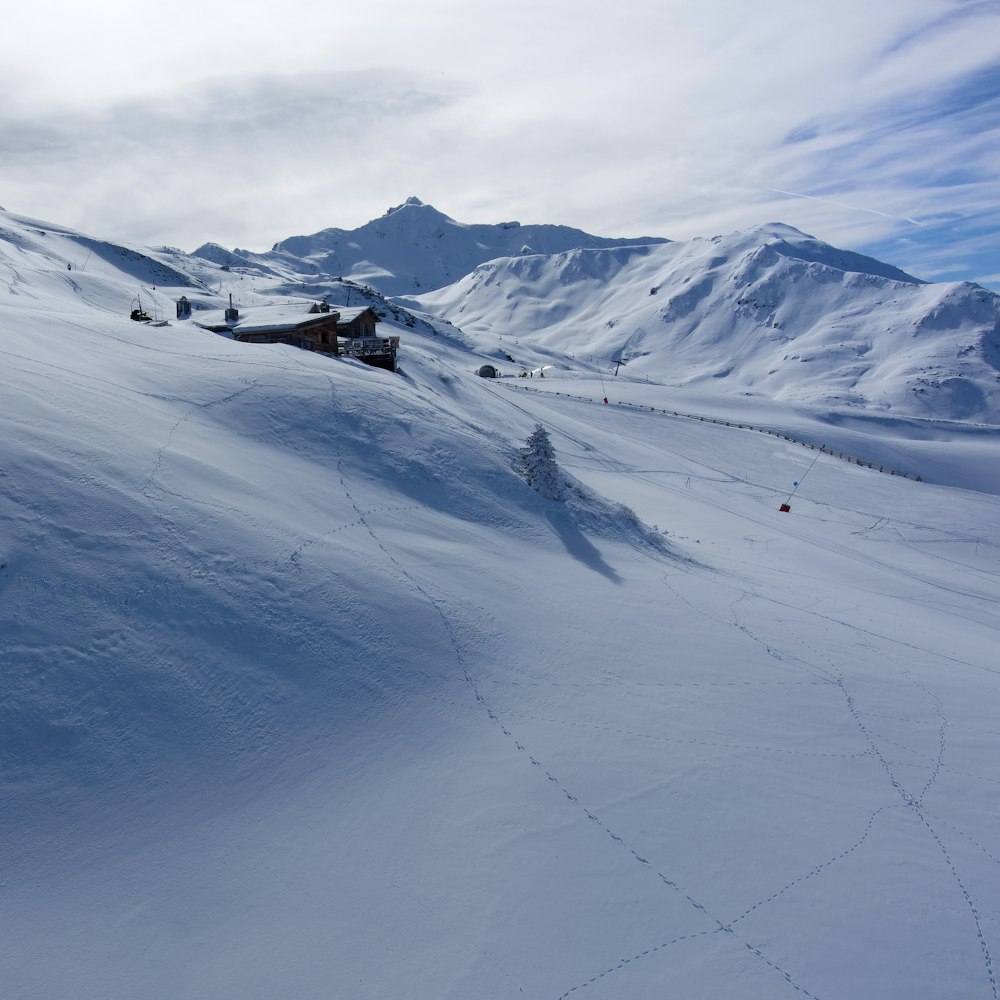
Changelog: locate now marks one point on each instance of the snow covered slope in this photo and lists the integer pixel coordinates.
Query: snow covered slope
(42, 265)
(412, 247)
(307, 693)
(769, 311)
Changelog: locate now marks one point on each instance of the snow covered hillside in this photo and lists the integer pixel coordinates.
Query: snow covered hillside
(413, 247)
(308, 693)
(770, 312)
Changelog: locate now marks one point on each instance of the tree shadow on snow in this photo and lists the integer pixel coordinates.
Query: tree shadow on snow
(578, 545)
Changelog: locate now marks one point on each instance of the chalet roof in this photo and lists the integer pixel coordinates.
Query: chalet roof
(350, 313)
(266, 319)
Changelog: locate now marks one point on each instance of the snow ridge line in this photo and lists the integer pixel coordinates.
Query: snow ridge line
(850, 459)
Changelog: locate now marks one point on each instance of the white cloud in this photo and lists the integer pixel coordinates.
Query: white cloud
(643, 116)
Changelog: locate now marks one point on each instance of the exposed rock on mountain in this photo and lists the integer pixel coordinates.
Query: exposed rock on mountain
(415, 248)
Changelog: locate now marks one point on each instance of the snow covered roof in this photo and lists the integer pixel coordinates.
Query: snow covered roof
(350, 313)
(267, 319)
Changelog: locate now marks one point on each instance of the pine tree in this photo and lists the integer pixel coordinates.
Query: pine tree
(539, 465)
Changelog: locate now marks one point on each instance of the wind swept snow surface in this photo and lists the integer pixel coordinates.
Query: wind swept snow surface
(308, 694)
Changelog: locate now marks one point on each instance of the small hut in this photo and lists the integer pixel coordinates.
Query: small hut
(488, 371)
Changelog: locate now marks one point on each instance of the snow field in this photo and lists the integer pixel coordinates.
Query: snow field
(307, 693)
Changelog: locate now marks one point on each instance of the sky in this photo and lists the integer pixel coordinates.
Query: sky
(873, 127)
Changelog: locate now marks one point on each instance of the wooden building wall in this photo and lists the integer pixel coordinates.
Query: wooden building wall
(363, 325)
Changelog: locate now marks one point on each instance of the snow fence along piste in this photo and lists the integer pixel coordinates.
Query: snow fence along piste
(729, 423)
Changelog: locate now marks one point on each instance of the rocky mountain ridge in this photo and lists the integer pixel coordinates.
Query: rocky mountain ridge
(412, 248)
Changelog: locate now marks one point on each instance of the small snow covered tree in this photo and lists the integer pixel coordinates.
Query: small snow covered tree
(538, 463)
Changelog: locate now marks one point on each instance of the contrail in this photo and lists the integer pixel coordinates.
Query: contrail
(841, 204)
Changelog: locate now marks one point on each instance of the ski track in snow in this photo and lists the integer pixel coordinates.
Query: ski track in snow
(828, 677)
(899, 720)
(439, 607)
(915, 803)
(819, 868)
(973, 909)
(157, 492)
(831, 677)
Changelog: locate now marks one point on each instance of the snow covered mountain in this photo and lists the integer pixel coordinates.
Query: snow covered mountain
(769, 311)
(308, 692)
(59, 258)
(412, 247)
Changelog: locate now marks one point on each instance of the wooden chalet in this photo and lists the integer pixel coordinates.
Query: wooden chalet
(343, 332)
(353, 322)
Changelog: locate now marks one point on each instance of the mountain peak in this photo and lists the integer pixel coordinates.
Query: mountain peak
(414, 248)
(781, 230)
(412, 202)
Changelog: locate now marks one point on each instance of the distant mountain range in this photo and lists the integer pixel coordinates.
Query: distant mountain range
(412, 248)
(769, 312)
